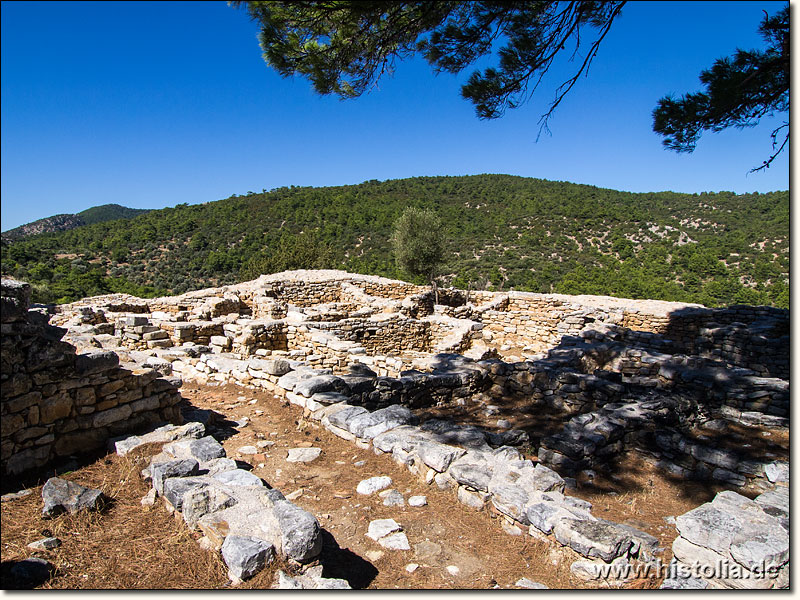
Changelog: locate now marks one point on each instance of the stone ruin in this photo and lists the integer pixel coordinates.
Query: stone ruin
(362, 355)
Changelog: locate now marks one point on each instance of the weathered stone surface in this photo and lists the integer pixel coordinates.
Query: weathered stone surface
(395, 541)
(593, 538)
(709, 527)
(438, 456)
(95, 362)
(373, 484)
(160, 472)
(206, 448)
(529, 584)
(301, 534)
(369, 425)
(382, 527)
(392, 498)
(546, 480)
(238, 477)
(472, 475)
(15, 299)
(343, 417)
(312, 579)
(60, 495)
(176, 487)
(303, 455)
(47, 543)
(417, 501)
(511, 500)
(200, 501)
(544, 515)
(246, 556)
(315, 385)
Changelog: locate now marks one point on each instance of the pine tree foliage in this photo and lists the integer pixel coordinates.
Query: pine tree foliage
(344, 47)
(739, 91)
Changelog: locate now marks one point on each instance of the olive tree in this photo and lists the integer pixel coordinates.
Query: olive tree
(418, 242)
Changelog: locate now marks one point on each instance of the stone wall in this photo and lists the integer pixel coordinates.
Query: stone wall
(56, 402)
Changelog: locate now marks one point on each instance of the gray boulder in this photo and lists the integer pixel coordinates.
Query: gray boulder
(60, 496)
(472, 475)
(246, 556)
(342, 418)
(595, 539)
(206, 448)
(438, 456)
(176, 487)
(160, 472)
(301, 535)
(369, 425)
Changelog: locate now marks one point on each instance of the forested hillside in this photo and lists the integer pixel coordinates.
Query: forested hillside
(504, 232)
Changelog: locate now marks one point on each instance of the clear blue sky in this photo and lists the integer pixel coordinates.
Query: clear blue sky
(151, 104)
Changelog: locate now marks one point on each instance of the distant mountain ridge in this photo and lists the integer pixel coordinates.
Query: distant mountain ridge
(65, 222)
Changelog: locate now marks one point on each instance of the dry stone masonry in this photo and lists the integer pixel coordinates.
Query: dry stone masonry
(56, 401)
(362, 355)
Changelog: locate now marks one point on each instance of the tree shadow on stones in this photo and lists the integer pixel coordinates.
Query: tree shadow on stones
(342, 563)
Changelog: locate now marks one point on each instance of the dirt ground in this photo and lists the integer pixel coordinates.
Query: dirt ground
(129, 546)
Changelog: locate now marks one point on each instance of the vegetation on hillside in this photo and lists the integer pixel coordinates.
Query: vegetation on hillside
(503, 232)
(65, 222)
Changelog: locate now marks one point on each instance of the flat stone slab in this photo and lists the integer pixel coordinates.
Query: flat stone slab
(382, 527)
(373, 484)
(303, 455)
(60, 496)
(395, 541)
(594, 539)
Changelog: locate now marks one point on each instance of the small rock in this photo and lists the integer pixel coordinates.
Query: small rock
(205, 543)
(382, 527)
(47, 543)
(303, 455)
(294, 495)
(411, 567)
(395, 541)
(15, 495)
(453, 570)
(373, 555)
(359, 463)
(373, 484)
(248, 450)
(417, 501)
(393, 498)
(530, 585)
(265, 443)
(60, 495)
(243, 422)
(149, 499)
(509, 528)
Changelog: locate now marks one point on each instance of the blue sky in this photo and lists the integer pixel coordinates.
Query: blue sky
(151, 104)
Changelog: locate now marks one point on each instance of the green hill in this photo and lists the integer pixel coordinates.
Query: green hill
(504, 232)
(109, 212)
(65, 222)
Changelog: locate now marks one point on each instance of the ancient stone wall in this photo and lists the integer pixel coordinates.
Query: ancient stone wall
(56, 402)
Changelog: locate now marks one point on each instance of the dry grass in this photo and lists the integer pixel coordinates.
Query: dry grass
(128, 546)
